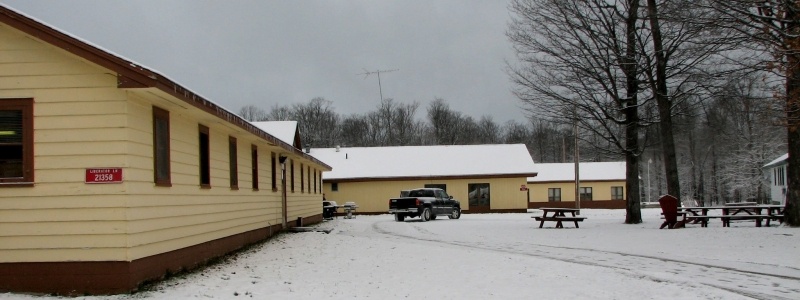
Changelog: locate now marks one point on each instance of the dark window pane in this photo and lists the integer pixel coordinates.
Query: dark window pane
(161, 144)
(479, 194)
(205, 156)
(233, 161)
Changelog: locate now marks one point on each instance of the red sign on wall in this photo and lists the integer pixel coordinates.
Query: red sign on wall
(104, 175)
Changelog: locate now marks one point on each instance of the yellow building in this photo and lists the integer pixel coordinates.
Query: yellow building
(112, 174)
(484, 178)
(601, 185)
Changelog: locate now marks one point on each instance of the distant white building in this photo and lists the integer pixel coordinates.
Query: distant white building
(775, 172)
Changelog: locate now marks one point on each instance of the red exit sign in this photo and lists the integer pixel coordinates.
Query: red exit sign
(104, 175)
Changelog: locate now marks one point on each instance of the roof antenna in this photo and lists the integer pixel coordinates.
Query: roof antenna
(367, 73)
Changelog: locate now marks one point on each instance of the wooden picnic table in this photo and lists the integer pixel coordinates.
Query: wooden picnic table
(558, 215)
(758, 213)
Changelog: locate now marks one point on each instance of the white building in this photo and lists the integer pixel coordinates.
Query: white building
(775, 172)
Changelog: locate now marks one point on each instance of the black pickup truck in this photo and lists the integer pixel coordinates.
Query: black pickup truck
(425, 203)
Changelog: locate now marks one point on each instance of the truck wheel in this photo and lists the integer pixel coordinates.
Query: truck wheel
(455, 214)
(399, 217)
(426, 215)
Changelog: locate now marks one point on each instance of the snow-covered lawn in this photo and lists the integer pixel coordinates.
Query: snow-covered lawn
(503, 256)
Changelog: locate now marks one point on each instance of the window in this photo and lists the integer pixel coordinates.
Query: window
(205, 156)
(320, 181)
(479, 194)
(436, 186)
(616, 193)
(254, 165)
(554, 195)
(586, 194)
(334, 187)
(233, 161)
(778, 175)
(291, 174)
(309, 179)
(16, 142)
(161, 148)
(274, 173)
(302, 179)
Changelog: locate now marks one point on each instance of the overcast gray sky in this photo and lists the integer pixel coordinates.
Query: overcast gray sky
(264, 53)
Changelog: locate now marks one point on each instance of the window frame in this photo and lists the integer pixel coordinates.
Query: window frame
(621, 193)
(204, 156)
(162, 162)
(254, 166)
(551, 195)
(582, 192)
(233, 162)
(274, 168)
(477, 202)
(25, 105)
(291, 174)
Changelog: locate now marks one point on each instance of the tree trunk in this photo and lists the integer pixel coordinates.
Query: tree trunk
(792, 213)
(664, 105)
(633, 204)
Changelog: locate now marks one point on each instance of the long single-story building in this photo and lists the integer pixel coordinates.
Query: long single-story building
(601, 185)
(113, 175)
(776, 174)
(484, 178)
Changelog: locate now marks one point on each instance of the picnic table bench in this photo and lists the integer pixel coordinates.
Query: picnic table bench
(559, 216)
(734, 213)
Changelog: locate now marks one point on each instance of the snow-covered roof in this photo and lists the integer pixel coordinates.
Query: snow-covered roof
(426, 161)
(778, 161)
(283, 130)
(589, 171)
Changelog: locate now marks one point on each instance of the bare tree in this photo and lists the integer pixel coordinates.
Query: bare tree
(550, 142)
(252, 113)
(753, 142)
(447, 126)
(318, 122)
(404, 128)
(280, 113)
(516, 133)
(681, 55)
(488, 131)
(355, 131)
(774, 26)
(580, 65)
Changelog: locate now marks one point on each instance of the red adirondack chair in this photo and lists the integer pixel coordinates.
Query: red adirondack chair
(669, 208)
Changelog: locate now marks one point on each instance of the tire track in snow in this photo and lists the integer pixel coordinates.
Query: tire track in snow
(644, 267)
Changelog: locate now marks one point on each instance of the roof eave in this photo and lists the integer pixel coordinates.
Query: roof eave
(441, 177)
(131, 75)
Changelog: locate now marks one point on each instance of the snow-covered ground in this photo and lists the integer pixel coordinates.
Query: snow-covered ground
(502, 256)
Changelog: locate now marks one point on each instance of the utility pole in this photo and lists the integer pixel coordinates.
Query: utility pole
(577, 161)
(367, 73)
